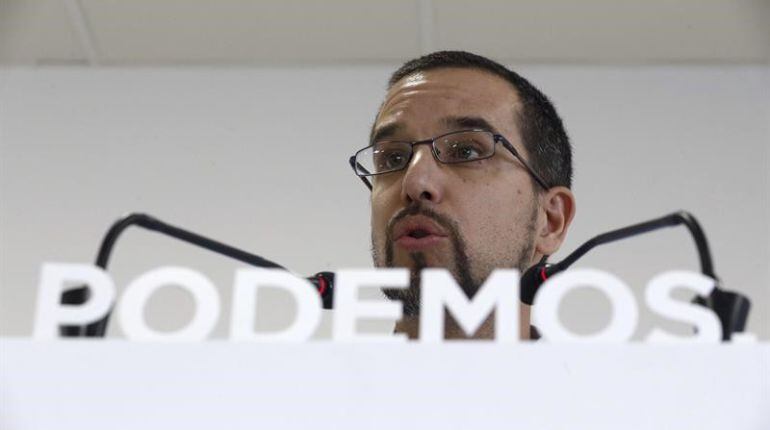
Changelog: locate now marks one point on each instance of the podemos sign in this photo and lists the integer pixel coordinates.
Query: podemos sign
(439, 294)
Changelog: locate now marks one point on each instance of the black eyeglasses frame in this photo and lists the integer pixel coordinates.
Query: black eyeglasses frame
(498, 138)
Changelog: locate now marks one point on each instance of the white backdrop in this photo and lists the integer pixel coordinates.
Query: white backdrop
(257, 157)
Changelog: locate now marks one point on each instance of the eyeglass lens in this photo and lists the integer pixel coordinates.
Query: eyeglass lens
(389, 156)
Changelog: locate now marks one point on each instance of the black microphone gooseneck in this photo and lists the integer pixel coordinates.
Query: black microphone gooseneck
(731, 308)
(323, 281)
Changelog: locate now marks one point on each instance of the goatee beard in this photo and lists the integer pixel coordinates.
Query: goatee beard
(462, 265)
(461, 271)
(410, 297)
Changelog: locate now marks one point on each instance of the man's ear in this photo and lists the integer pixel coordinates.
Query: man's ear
(557, 208)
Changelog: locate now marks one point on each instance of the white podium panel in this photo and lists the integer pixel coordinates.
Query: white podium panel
(220, 385)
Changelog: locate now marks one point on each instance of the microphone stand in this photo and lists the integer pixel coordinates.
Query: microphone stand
(732, 308)
(323, 281)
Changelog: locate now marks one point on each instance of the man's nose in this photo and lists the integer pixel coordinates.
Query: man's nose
(423, 179)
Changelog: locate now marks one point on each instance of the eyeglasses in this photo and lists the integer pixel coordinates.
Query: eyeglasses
(452, 148)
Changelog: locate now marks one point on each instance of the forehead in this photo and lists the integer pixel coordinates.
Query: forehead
(420, 104)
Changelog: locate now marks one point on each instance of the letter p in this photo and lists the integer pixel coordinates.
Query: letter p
(50, 313)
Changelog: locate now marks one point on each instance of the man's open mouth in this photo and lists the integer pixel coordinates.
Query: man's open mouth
(417, 233)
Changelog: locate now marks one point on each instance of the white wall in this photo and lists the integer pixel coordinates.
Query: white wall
(258, 158)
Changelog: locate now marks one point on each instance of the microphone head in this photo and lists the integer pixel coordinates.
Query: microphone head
(324, 283)
(531, 280)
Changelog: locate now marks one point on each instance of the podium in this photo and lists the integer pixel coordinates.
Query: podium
(113, 384)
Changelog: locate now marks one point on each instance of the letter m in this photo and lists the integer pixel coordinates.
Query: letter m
(499, 294)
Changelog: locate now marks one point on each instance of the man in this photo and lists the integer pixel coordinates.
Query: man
(470, 169)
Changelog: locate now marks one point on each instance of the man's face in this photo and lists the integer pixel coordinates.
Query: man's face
(469, 218)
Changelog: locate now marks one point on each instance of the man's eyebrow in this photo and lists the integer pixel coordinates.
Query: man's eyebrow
(466, 122)
(452, 123)
(386, 131)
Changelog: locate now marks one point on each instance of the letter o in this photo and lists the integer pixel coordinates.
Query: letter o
(204, 294)
(624, 311)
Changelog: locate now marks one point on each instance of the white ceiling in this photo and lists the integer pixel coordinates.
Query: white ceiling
(158, 32)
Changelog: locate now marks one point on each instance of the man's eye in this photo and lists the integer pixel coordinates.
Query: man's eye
(465, 151)
(389, 160)
(394, 159)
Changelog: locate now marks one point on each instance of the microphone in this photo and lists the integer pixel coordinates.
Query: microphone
(323, 281)
(533, 278)
(731, 308)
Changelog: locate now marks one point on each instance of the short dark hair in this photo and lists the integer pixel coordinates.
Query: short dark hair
(542, 131)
